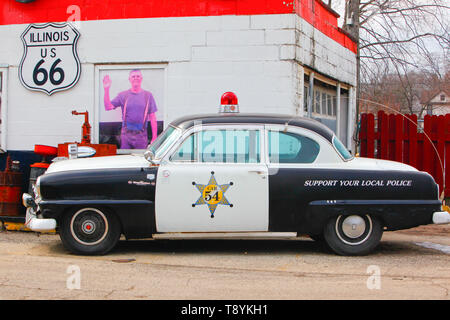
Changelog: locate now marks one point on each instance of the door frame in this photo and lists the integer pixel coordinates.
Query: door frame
(208, 127)
(4, 106)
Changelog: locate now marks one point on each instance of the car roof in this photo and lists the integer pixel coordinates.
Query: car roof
(254, 118)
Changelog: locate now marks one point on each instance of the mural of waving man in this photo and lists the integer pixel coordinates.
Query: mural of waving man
(138, 108)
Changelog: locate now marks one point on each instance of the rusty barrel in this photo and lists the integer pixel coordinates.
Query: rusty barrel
(10, 193)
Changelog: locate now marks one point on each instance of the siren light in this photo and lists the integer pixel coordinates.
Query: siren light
(229, 103)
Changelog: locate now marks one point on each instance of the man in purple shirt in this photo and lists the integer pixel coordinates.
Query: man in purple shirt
(138, 107)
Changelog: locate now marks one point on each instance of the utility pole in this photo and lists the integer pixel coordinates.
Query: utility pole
(351, 26)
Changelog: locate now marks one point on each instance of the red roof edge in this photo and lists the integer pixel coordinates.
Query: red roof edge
(329, 9)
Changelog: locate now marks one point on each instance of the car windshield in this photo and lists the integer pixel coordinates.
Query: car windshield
(341, 149)
(164, 141)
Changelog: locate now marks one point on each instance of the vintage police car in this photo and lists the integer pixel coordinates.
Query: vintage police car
(234, 175)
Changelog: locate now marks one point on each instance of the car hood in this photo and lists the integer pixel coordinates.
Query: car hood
(138, 161)
(377, 164)
(111, 162)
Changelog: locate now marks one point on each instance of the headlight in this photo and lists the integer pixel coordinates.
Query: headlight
(28, 201)
(37, 188)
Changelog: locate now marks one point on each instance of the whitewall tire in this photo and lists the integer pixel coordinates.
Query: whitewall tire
(352, 235)
(89, 231)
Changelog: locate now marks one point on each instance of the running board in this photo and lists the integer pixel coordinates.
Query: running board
(225, 235)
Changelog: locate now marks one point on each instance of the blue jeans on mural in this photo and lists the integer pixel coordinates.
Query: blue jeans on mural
(133, 139)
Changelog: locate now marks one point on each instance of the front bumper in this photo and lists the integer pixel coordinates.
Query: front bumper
(441, 217)
(32, 221)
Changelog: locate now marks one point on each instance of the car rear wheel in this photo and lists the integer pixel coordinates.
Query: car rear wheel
(89, 231)
(353, 235)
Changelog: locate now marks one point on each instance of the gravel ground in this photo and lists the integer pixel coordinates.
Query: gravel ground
(411, 264)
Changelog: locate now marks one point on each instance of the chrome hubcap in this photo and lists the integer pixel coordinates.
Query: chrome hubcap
(353, 226)
(353, 230)
(89, 226)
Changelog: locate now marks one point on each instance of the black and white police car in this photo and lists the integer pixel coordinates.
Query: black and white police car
(234, 175)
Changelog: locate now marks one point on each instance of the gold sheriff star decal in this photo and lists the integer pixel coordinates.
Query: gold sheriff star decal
(212, 194)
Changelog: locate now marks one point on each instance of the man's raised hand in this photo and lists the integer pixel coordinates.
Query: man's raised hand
(106, 82)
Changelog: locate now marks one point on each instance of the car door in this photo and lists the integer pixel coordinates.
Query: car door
(215, 180)
(293, 155)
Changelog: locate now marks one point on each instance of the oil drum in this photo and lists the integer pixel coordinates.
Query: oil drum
(10, 193)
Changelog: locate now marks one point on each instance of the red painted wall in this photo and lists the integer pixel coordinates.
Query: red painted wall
(323, 19)
(55, 10)
(313, 11)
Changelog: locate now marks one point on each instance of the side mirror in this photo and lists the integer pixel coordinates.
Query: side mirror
(149, 155)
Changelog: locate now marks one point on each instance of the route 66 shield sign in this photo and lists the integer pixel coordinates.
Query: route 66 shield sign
(50, 61)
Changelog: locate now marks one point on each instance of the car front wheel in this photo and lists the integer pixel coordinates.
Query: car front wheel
(89, 231)
(353, 235)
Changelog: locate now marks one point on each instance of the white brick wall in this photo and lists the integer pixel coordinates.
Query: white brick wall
(273, 21)
(299, 82)
(287, 52)
(34, 118)
(258, 57)
(236, 53)
(235, 38)
(284, 36)
(323, 54)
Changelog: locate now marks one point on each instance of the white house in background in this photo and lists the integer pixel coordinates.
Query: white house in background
(439, 104)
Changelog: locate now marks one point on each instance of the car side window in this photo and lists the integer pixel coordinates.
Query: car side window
(288, 147)
(227, 146)
(187, 152)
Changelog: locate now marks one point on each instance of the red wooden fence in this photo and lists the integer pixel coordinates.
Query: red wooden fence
(397, 137)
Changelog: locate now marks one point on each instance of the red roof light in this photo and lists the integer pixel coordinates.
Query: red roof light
(229, 98)
(229, 103)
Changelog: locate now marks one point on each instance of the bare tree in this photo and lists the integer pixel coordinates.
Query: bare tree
(399, 34)
(395, 37)
(405, 93)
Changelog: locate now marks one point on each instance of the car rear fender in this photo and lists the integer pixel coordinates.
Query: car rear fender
(393, 214)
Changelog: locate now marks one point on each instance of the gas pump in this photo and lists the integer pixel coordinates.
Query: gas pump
(85, 148)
